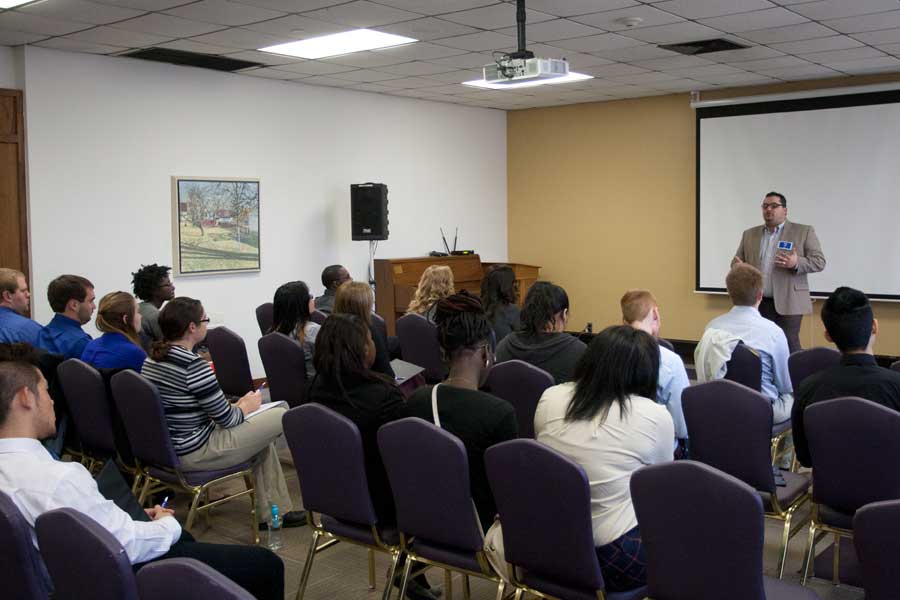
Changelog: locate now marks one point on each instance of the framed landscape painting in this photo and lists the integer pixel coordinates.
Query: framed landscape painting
(215, 225)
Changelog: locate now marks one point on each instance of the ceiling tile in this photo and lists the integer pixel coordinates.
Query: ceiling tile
(151, 5)
(674, 62)
(470, 60)
(805, 72)
(270, 73)
(223, 12)
(192, 46)
(362, 13)
(614, 69)
(843, 55)
(568, 8)
(79, 11)
(557, 29)
(635, 53)
(609, 19)
(370, 87)
(860, 23)
(364, 75)
(702, 72)
(429, 28)
(761, 19)
(413, 82)
(76, 46)
(597, 43)
(891, 49)
(739, 79)
(118, 37)
(701, 9)
(455, 76)
(481, 41)
(17, 38)
(767, 64)
(452, 89)
(265, 58)
(791, 33)
(314, 67)
(495, 16)
(645, 78)
(242, 39)
(885, 36)
(167, 25)
(837, 42)
(419, 51)
(416, 68)
(296, 27)
(437, 7)
(734, 56)
(837, 9)
(579, 60)
(292, 6)
(868, 65)
(326, 81)
(673, 33)
(366, 60)
(683, 85)
(25, 23)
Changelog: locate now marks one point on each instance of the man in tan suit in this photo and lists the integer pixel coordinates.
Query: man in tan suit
(785, 287)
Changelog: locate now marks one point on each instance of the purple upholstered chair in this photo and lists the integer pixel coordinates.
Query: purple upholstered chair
(318, 317)
(323, 444)
(522, 385)
(141, 409)
(89, 408)
(264, 316)
(285, 366)
(186, 579)
(808, 362)
(22, 570)
(876, 535)
(849, 442)
(682, 507)
(419, 345)
(730, 427)
(437, 520)
(544, 502)
(85, 561)
(895, 365)
(229, 354)
(744, 367)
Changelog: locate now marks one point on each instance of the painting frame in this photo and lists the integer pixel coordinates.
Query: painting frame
(215, 225)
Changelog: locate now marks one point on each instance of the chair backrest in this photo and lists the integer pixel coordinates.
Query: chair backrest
(318, 316)
(419, 345)
(229, 354)
(665, 344)
(744, 367)
(876, 535)
(895, 365)
(522, 385)
(702, 531)
(731, 430)
(85, 561)
(850, 442)
(140, 407)
(186, 579)
(330, 462)
(22, 570)
(265, 316)
(544, 501)
(285, 366)
(89, 405)
(379, 325)
(808, 362)
(428, 469)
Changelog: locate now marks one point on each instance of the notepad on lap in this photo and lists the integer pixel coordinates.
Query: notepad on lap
(266, 407)
(404, 370)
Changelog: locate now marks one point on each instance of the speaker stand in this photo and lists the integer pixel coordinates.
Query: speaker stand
(373, 246)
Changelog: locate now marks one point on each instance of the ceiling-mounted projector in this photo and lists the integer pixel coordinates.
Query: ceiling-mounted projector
(518, 70)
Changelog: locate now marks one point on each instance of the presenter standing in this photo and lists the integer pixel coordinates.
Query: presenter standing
(784, 252)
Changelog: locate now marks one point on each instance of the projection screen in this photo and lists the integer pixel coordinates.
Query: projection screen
(835, 158)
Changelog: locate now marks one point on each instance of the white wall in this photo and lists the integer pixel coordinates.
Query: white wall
(106, 134)
(9, 77)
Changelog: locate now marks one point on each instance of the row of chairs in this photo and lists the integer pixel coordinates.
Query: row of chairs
(80, 559)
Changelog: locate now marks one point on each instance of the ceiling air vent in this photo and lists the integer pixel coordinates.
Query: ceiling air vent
(703, 46)
(192, 59)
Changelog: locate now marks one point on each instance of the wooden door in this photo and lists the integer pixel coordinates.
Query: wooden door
(13, 213)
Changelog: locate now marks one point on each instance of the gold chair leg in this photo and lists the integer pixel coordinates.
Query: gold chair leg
(250, 483)
(467, 591)
(371, 569)
(192, 513)
(836, 561)
(137, 483)
(448, 585)
(518, 595)
(392, 572)
(501, 588)
(405, 579)
(144, 489)
(307, 567)
(785, 538)
(810, 552)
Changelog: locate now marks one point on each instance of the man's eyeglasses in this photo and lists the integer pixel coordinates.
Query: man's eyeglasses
(772, 206)
(206, 320)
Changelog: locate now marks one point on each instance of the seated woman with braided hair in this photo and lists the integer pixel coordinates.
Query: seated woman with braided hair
(477, 418)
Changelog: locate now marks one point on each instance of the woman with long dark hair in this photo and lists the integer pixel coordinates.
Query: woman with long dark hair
(292, 307)
(607, 421)
(543, 341)
(498, 296)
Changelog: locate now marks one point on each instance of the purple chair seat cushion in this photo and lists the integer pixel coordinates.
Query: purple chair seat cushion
(359, 533)
(196, 477)
(558, 590)
(447, 556)
(780, 428)
(776, 589)
(835, 517)
(797, 485)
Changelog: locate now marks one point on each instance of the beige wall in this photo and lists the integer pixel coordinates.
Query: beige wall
(602, 196)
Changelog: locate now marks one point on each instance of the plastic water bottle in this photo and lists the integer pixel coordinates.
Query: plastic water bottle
(275, 530)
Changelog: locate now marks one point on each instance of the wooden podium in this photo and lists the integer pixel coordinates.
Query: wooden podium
(396, 280)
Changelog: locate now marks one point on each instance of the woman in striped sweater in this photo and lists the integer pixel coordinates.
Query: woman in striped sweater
(207, 432)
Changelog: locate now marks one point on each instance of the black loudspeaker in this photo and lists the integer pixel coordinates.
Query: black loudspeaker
(369, 211)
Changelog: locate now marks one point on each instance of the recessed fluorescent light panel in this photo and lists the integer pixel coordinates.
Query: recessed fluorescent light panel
(13, 3)
(335, 44)
(572, 76)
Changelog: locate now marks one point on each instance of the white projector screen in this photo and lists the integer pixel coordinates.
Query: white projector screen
(837, 161)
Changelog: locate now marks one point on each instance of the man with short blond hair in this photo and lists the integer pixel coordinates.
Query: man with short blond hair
(14, 300)
(641, 311)
(72, 299)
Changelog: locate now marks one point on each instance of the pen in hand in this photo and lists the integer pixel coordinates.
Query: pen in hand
(164, 502)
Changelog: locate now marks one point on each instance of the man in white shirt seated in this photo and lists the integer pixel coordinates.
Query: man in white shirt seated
(37, 483)
(641, 311)
(745, 287)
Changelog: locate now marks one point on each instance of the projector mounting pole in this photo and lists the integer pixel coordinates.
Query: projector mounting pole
(520, 32)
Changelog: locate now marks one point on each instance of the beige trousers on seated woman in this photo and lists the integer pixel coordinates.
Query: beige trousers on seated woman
(254, 437)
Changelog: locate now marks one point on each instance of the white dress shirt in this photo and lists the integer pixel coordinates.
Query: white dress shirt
(672, 380)
(767, 245)
(608, 451)
(37, 483)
